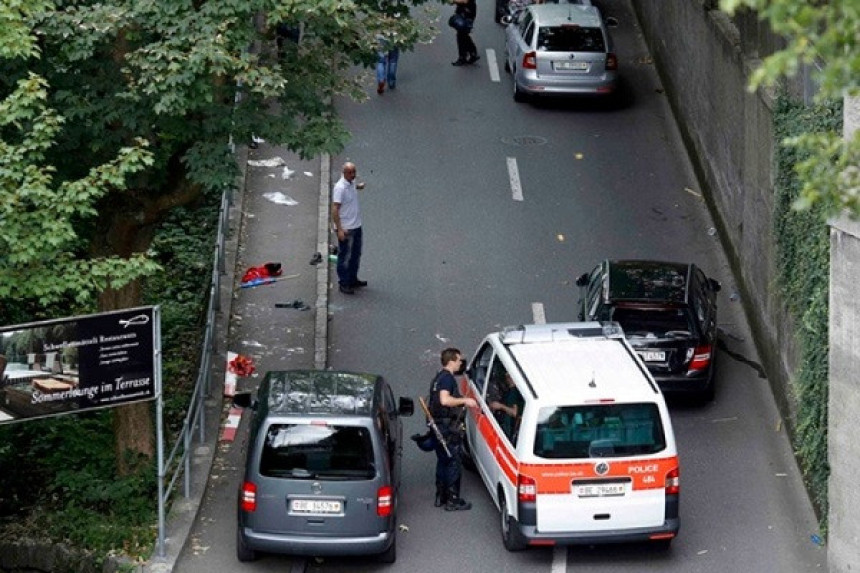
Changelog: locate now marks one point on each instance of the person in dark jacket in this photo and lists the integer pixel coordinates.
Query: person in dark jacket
(466, 50)
(446, 408)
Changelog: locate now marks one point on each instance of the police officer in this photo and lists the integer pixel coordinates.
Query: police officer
(446, 407)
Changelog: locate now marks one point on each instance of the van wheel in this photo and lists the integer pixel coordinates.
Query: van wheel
(511, 537)
(662, 544)
(390, 554)
(466, 456)
(243, 552)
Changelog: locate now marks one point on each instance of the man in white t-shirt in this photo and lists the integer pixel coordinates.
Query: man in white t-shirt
(346, 217)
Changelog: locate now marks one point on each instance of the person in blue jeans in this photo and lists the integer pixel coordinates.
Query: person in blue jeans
(386, 66)
(346, 217)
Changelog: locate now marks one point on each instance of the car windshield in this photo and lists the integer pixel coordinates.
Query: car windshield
(570, 39)
(653, 322)
(317, 451)
(599, 431)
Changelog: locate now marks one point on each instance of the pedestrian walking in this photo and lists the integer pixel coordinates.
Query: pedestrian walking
(447, 408)
(467, 53)
(386, 66)
(346, 217)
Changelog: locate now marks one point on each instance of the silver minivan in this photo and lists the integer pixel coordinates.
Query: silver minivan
(560, 50)
(322, 472)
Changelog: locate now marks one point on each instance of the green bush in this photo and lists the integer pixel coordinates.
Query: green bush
(803, 261)
(58, 481)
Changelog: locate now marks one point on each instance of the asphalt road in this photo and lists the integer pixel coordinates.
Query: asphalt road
(451, 253)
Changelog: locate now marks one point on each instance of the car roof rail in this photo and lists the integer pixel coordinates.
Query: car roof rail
(534, 333)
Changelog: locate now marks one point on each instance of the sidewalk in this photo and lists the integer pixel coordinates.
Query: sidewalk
(280, 214)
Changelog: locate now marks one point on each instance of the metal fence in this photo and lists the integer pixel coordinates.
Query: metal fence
(177, 464)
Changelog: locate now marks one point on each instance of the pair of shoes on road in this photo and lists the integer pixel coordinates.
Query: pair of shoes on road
(350, 289)
(470, 59)
(457, 504)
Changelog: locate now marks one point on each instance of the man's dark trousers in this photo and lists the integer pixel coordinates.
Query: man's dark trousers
(349, 257)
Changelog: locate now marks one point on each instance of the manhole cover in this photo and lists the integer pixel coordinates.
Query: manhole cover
(524, 140)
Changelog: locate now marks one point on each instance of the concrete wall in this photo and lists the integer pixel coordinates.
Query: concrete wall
(844, 400)
(728, 131)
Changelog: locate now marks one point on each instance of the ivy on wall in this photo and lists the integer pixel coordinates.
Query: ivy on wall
(803, 263)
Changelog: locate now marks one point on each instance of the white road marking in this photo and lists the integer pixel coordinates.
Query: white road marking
(538, 314)
(493, 65)
(559, 559)
(514, 177)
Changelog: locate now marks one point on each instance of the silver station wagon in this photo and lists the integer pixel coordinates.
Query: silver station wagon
(322, 474)
(560, 50)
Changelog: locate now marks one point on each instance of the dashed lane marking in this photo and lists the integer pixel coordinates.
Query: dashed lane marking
(538, 313)
(493, 65)
(514, 177)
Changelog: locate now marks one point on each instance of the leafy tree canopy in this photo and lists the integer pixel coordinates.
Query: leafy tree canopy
(825, 36)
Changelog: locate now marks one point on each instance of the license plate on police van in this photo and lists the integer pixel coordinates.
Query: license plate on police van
(571, 66)
(325, 506)
(600, 490)
(653, 355)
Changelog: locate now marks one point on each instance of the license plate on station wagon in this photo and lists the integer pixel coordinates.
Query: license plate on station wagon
(600, 490)
(653, 356)
(326, 506)
(571, 66)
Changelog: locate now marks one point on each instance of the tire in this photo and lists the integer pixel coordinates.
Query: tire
(519, 95)
(507, 65)
(511, 537)
(466, 457)
(243, 552)
(662, 544)
(390, 554)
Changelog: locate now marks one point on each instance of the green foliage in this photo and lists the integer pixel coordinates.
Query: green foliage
(803, 262)
(823, 37)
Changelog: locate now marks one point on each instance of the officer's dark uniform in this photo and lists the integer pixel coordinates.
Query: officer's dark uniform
(449, 421)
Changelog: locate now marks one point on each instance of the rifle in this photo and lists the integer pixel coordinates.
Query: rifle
(432, 423)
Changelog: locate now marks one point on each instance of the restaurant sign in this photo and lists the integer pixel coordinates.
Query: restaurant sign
(81, 363)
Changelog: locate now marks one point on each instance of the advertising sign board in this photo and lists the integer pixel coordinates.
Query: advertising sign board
(80, 363)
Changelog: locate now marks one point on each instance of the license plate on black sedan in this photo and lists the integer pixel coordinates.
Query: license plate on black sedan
(653, 355)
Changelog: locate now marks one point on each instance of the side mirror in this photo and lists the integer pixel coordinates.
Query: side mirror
(582, 280)
(244, 400)
(406, 407)
(715, 285)
(506, 20)
(462, 369)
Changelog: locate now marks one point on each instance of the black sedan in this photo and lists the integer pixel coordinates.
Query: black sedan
(669, 314)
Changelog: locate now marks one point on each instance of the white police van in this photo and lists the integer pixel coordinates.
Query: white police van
(572, 437)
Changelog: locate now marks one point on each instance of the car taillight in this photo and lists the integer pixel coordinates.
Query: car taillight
(530, 61)
(701, 357)
(673, 482)
(383, 501)
(611, 62)
(526, 488)
(248, 497)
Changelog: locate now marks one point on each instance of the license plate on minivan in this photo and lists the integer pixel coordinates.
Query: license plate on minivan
(600, 490)
(325, 506)
(571, 66)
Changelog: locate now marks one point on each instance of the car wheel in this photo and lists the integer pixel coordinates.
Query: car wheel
(390, 554)
(511, 537)
(507, 64)
(662, 544)
(466, 456)
(243, 552)
(519, 95)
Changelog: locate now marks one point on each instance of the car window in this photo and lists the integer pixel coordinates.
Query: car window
(503, 393)
(478, 369)
(592, 295)
(529, 35)
(570, 38)
(653, 322)
(317, 451)
(524, 22)
(599, 431)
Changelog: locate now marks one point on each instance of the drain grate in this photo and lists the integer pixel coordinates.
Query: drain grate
(524, 140)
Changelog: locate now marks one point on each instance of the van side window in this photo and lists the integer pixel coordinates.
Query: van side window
(479, 367)
(505, 400)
